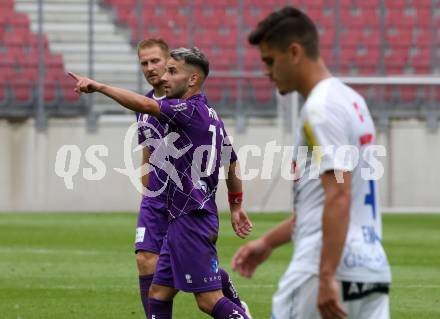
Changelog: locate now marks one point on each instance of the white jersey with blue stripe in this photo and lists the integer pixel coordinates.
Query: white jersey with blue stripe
(336, 133)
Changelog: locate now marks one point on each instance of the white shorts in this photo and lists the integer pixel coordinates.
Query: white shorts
(297, 297)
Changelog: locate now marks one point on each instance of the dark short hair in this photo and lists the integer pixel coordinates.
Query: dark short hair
(152, 42)
(192, 56)
(282, 27)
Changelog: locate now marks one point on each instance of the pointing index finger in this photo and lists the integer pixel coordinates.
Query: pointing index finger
(74, 76)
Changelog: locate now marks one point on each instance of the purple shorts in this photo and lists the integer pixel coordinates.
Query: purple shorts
(152, 225)
(188, 259)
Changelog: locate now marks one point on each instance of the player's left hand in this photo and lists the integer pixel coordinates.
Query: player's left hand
(241, 223)
(328, 299)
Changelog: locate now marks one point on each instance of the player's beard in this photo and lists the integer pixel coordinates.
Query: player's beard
(176, 93)
(154, 80)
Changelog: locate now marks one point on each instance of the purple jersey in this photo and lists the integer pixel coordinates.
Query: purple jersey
(150, 134)
(198, 145)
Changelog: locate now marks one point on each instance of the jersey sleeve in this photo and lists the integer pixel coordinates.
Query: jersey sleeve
(328, 132)
(176, 111)
(228, 154)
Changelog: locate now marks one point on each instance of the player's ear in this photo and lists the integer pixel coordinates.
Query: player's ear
(194, 78)
(295, 51)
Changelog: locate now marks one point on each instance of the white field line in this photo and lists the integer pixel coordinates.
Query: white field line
(249, 286)
(392, 286)
(48, 251)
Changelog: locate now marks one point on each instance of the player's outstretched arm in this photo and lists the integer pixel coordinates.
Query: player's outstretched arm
(126, 98)
(335, 222)
(240, 221)
(248, 257)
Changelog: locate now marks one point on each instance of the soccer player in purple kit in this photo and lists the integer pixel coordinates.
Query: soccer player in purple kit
(152, 222)
(188, 259)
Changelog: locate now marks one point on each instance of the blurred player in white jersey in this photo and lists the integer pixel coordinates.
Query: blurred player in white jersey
(339, 268)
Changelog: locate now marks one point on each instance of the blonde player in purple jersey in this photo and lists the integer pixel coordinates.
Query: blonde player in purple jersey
(152, 222)
(339, 268)
(188, 259)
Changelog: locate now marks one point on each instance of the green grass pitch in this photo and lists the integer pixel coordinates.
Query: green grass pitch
(83, 266)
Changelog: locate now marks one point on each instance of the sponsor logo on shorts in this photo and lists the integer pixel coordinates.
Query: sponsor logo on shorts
(188, 279)
(214, 265)
(211, 279)
(358, 290)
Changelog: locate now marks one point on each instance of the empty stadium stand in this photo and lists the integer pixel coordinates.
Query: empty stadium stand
(19, 65)
(350, 32)
(358, 38)
(66, 27)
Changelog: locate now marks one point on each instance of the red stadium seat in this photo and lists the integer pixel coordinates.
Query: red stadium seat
(325, 19)
(3, 92)
(328, 55)
(420, 61)
(54, 62)
(215, 17)
(252, 60)
(226, 3)
(400, 18)
(350, 38)
(68, 94)
(397, 4)
(321, 3)
(262, 89)
(23, 91)
(31, 42)
(7, 60)
(266, 3)
(360, 19)
(50, 91)
(221, 59)
(326, 37)
(423, 39)
(371, 38)
(359, 4)
(19, 60)
(20, 20)
(399, 38)
(213, 88)
(408, 94)
(253, 17)
(14, 22)
(395, 61)
(424, 17)
(6, 7)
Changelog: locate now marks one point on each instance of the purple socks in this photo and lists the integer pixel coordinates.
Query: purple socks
(228, 288)
(226, 309)
(160, 309)
(144, 286)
